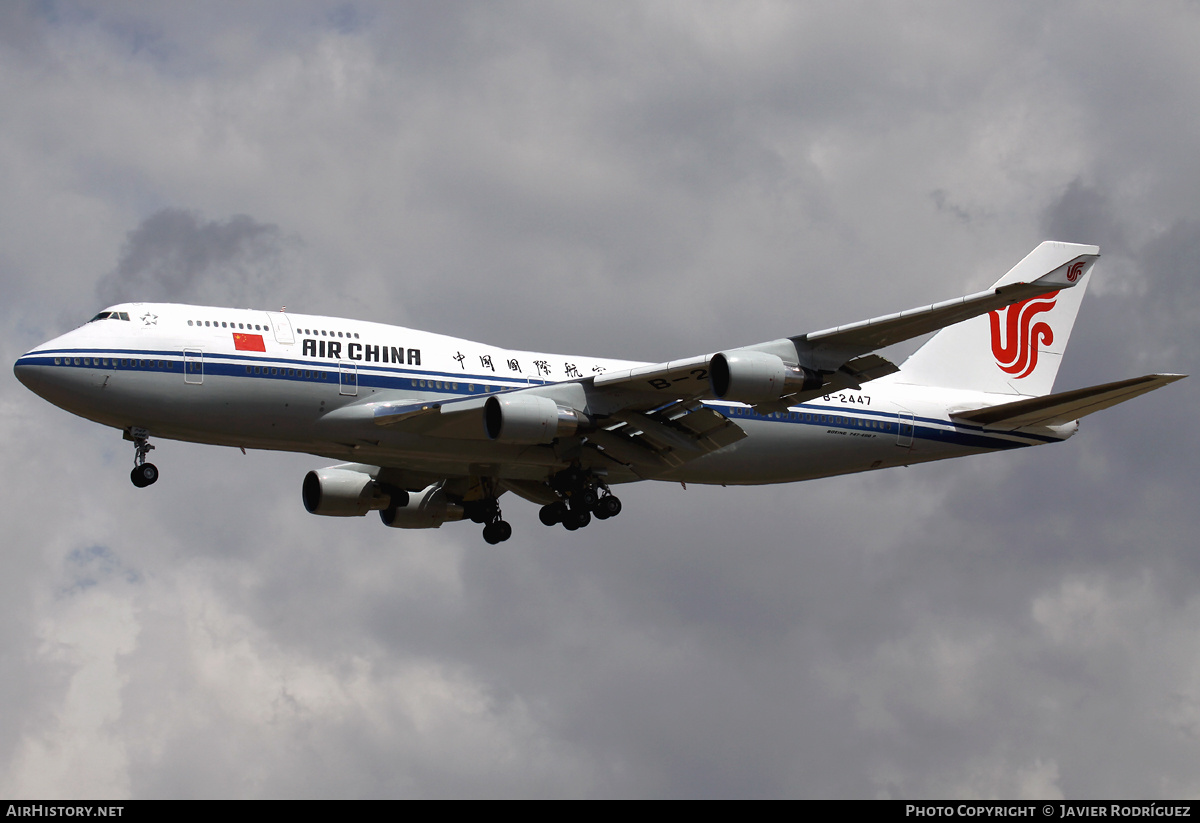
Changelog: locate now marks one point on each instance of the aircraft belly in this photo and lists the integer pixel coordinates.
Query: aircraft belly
(781, 452)
(785, 452)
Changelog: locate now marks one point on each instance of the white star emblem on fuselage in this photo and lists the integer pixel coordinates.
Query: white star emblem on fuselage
(149, 319)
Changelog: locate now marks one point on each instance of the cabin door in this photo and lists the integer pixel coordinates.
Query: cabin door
(282, 326)
(193, 366)
(905, 426)
(347, 379)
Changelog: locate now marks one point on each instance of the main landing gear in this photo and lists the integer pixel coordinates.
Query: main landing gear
(487, 511)
(143, 474)
(584, 495)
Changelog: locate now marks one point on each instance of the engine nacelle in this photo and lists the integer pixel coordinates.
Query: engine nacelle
(426, 509)
(528, 418)
(757, 377)
(343, 493)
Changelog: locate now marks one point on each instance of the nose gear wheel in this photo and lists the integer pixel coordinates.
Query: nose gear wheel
(143, 474)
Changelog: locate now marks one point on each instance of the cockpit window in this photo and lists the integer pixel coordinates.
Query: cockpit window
(110, 315)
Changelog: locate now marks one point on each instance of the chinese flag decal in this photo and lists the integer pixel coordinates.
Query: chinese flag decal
(248, 342)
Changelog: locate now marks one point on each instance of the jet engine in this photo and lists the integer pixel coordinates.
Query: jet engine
(528, 419)
(757, 377)
(343, 493)
(426, 509)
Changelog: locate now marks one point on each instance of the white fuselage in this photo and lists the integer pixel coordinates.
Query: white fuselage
(239, 377)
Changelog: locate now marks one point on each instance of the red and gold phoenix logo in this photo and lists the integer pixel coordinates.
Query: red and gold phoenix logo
(1016, 338)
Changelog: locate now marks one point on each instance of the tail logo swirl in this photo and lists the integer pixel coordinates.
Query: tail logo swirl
(1017, 337)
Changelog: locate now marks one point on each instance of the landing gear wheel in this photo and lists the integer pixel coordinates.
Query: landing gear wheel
(553, 513)
(497, 532)
(144, 475)
(608, 506)
(576, 519)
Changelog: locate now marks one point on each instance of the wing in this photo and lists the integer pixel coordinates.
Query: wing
(794, 369)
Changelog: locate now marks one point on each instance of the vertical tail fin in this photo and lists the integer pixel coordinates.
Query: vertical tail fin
(1016, 350)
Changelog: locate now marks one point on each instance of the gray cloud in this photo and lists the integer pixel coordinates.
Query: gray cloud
(1084, 215)
(177, 256)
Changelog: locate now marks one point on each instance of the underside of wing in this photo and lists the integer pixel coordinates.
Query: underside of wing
(664, 438)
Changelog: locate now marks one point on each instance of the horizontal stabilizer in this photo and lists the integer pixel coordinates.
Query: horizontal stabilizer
(1055, 409)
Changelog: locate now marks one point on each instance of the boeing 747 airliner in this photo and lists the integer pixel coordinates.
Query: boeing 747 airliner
(436, 429)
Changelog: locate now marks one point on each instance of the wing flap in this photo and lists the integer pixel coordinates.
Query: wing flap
(1063, 407)
(668, 437)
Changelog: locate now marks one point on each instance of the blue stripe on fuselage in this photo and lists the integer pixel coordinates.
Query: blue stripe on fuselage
(240, 365)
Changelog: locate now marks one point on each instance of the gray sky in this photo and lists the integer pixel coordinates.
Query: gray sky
(628, 180)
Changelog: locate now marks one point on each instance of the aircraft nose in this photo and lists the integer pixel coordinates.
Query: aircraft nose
(27, 373)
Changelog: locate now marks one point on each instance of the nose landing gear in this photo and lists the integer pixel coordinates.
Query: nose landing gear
(143, 474)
